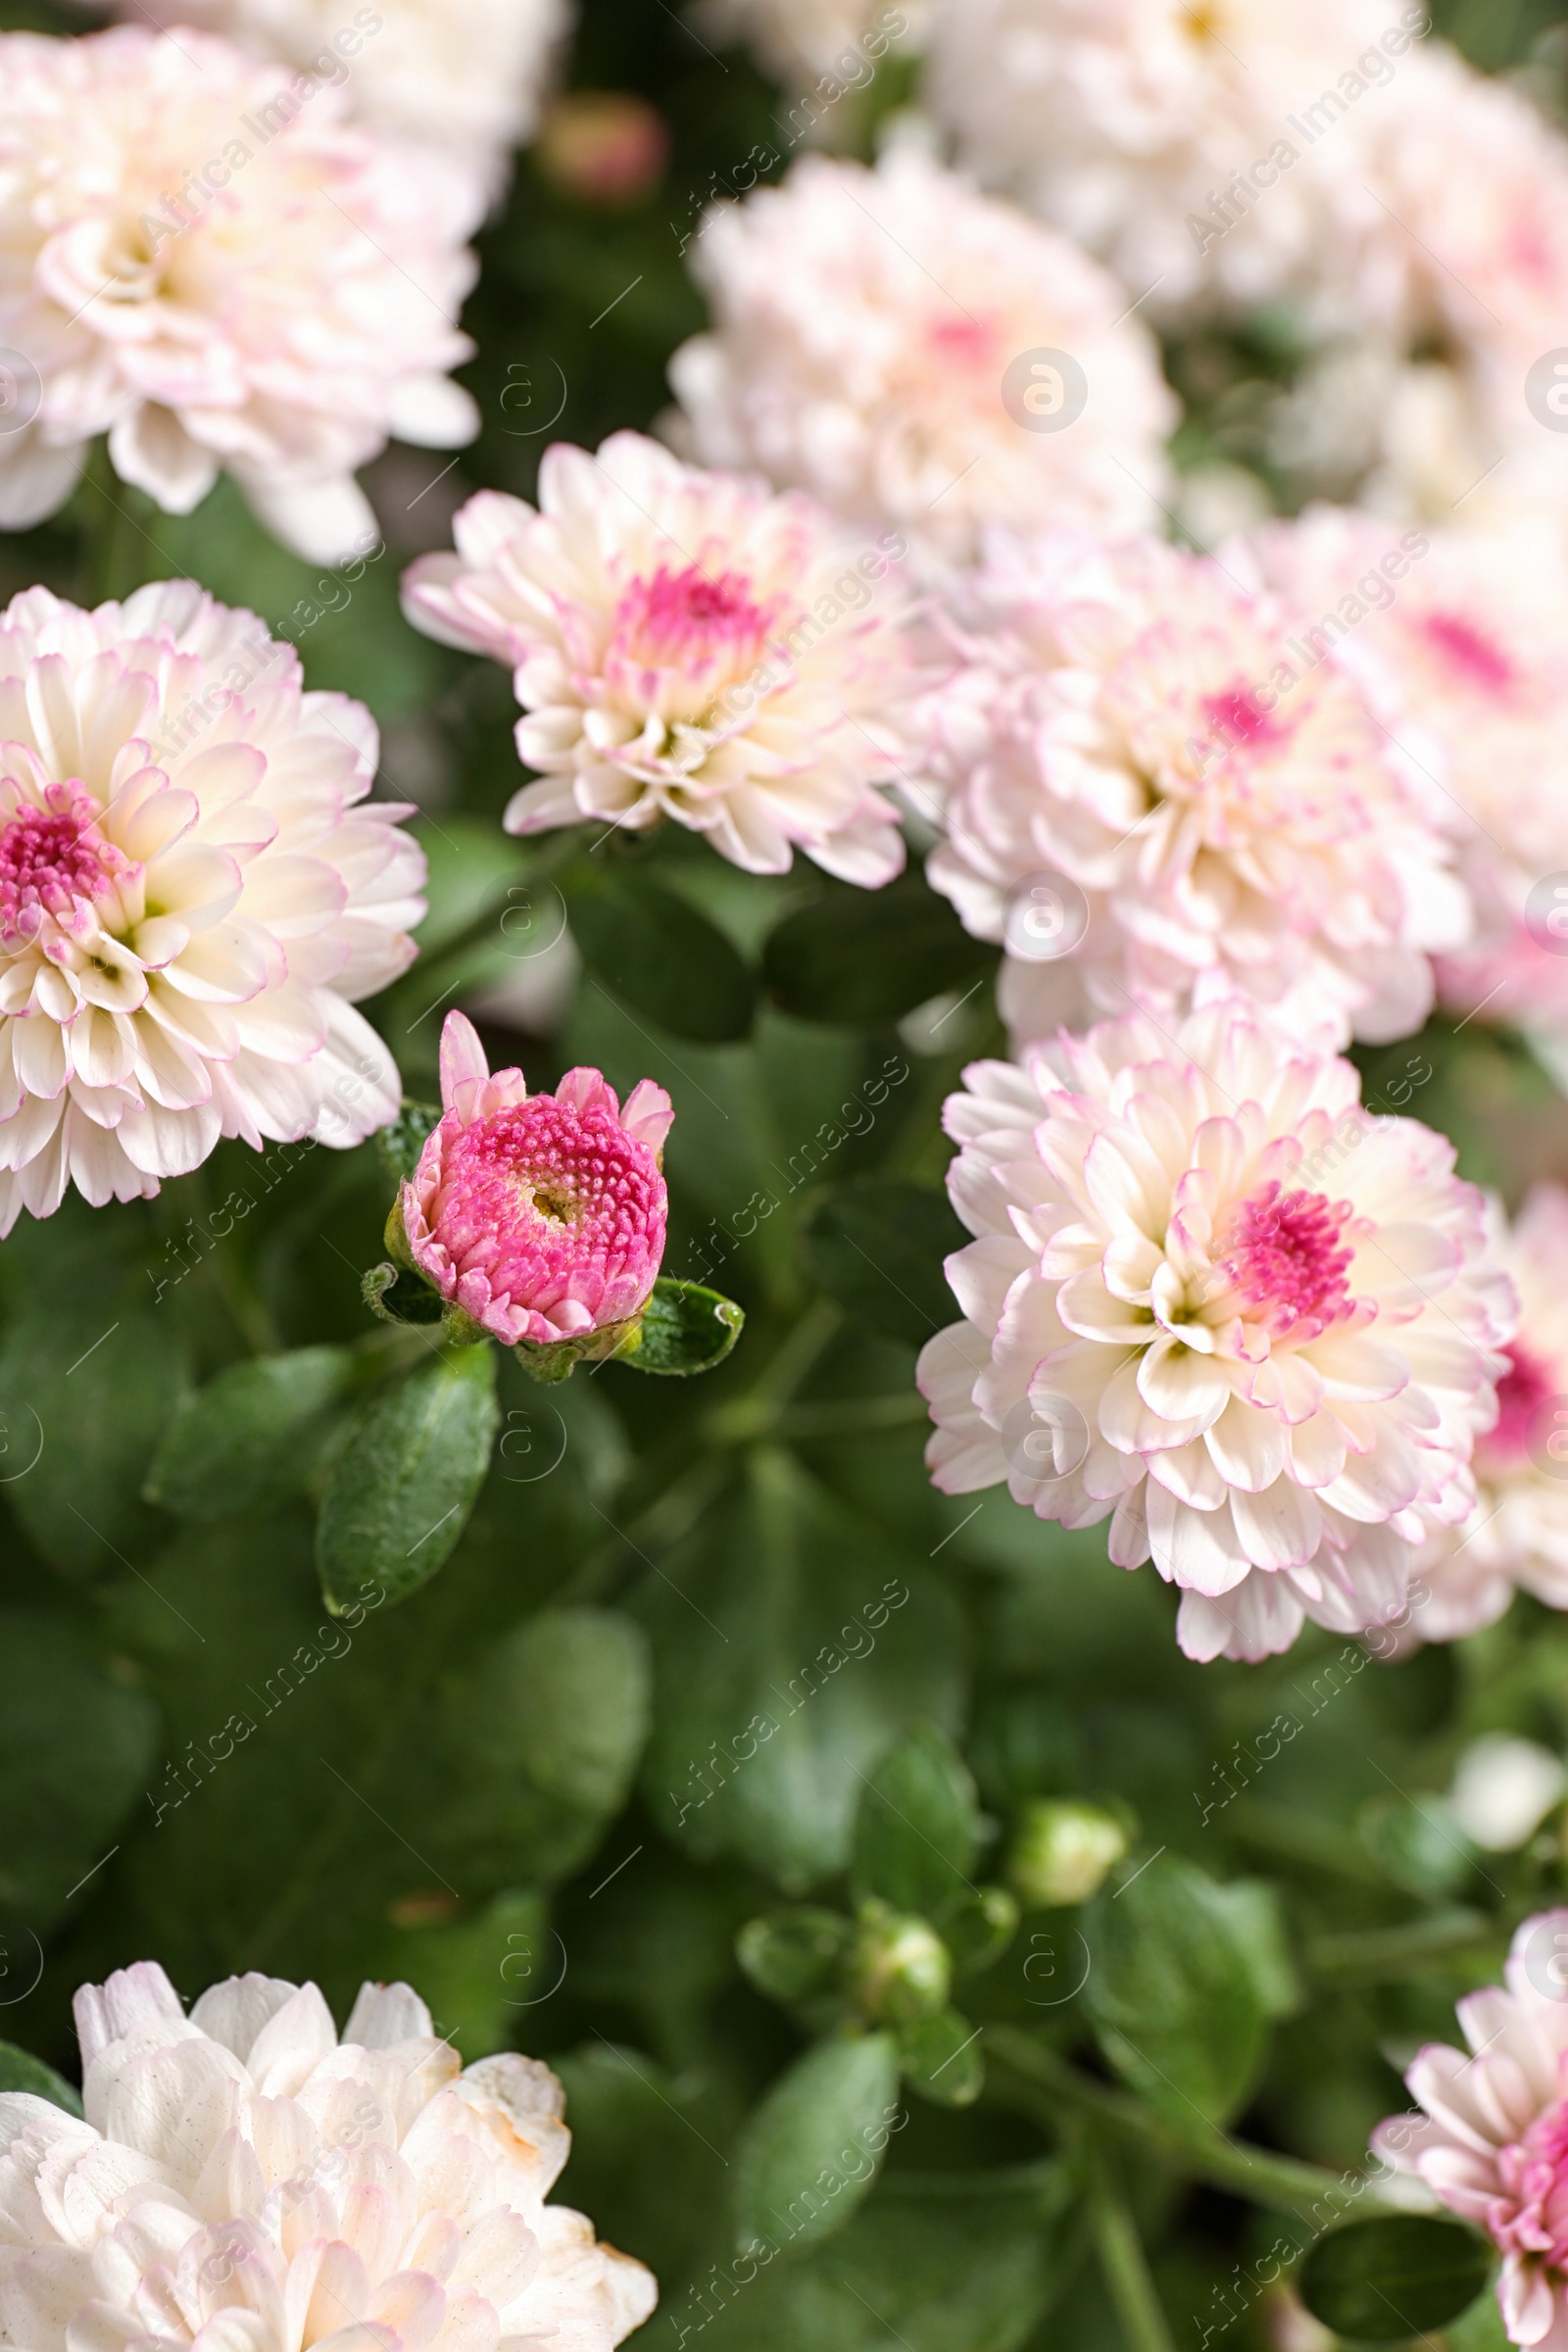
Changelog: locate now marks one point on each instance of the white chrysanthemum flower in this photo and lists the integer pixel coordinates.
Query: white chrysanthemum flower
(1138, 730)
(1201, 150)
(890, 341)
(193, 889)
(685, 646)
(1464, 634)
(199, 258)
(799, 42)
(467, 76)
(1211, 1297)
(246, 2182)
(1517, 1535)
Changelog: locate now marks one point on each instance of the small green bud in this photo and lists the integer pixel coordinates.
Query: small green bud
(979, 1927)
(794, 1955)
(900, 1968)
(1061, 1851)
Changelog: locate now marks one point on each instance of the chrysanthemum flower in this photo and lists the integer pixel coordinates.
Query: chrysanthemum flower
(684, 645)
(1492, 2142)
(868, 328)
(1144, 723)
(1213, 1300)
(199, 261)
(244, 2180)
(541, 1216)
(1465, 647)
(832, 44)
(467, 75)
(192, 891)
(1517, 1535)
(1160, 134)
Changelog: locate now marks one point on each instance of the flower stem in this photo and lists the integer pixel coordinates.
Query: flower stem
(1028, 2076)
(1124, 2263)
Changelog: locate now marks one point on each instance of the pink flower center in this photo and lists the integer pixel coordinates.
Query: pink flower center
(685, 619)
(551, 1202)
(53, 866)
(1286, 1258)
(1477, 660)
(1238, 720)
(1522, 1391)
(1534, 2175)
(973, 342)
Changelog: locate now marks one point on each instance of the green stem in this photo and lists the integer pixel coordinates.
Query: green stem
(1033, 2079)
(845, 1416)
(756, 1414)
(1125, 2265)
(1388, 1955)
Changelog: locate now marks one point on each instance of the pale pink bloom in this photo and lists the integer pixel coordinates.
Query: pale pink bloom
(1464, 646)
(1206, 152)
(1228, 811)
(1517, 1535)
(243, 2179)
(1214, 1301)
(541, 1216)
(865, 328)
(194, 888)
(685, 646)
(1492, 2141)
(220, 274)
(463, 76)
(826, 49)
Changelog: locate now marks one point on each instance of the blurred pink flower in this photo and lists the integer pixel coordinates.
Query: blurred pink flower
(243, 2177)
(1211, 1297)
(684, 645)
(868, 328)
(194, 886)
(541, 1216)
(1492, 2142)
(197, 262)
(1225, 809)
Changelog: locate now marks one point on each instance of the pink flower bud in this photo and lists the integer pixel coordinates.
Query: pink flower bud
(541, 1216)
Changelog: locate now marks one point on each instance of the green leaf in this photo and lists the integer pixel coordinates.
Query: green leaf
(20, 2070)
(75, 1751)
(661, 956)
(480, 1970)
(253, 1434)
(876, 1247)
(535, 1748)
(791, 1645)
(934, 2267)
(643, 2161)
(91, 1391)
(406, 1480)
(796, 1954)
(1382, 2281)
(918, 1826)
(979, 1928)
(862, 957)
(941, 2057)
(1172, 1989)
(1258, 1917)
(809, 2153)
(401, 1142)
(685, 1328)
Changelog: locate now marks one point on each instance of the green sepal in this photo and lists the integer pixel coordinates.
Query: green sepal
(940, 2057)
(404, 1139)
(685, 1329)
(399, 1297)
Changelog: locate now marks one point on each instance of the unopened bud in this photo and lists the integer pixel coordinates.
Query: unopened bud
(1063, 1850)
(900, 1968)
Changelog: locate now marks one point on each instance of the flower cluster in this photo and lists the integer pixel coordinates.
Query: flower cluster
(685, 646)
(194, 889)
(199, 261)
(1212, 1299)
(243, 2176)
(868, 329)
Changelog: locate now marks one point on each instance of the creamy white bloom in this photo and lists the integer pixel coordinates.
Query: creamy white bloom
(243, 2180)
(467, 75)
(1214, 1301)
(193, 889)
(1502, 1790)
(220, 274)
(1212, 790)
(865, 326)
(1461, 638)
(801, 42)
(1517, 1535)
(1130, 123)
(1492, 2144)
(685, 646)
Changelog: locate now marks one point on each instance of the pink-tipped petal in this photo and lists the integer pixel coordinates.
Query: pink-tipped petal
(465, 1066)
(649, 1115)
